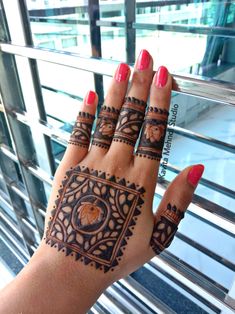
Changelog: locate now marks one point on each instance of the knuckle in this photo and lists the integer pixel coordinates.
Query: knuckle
(140, 79)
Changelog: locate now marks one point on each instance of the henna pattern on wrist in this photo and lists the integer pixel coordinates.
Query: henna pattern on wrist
(82, 130)
(94, 216)
(153, 134)
(130, 121)
(165, 228)
(105, 127)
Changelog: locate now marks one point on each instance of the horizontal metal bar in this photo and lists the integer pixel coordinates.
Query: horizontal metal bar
(58, 135)
(176, 273)
(108, 304)
(183, 28)
(58, 21)
(35, 170)
(163, 3)
(40, 174)
(175, 284)
(222, 260)
(195, 275)
(8, 243)
(187, 28)
(42, 212)
(203, 138)
(209, 214)
(30, 226)
(206, 88)
(5, 202)
(209, 184)
(33, 248)
(150, 301)
(124, 302)
(19, 192)
(9, 223)
(15, 243)
(9, 153)
(51, 89)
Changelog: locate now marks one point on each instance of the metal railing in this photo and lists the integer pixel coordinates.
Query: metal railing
(21, 235)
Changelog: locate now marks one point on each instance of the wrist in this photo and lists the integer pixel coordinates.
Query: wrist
(54, 284)
(78, 286)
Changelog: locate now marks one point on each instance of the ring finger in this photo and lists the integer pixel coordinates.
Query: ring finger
(153, 133)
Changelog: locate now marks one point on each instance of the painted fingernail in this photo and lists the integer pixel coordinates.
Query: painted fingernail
(143, 60)
(161, 76)
(195, 174)
(121, 72)
(90, 98)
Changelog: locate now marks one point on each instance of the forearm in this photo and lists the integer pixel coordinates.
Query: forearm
(49, 284)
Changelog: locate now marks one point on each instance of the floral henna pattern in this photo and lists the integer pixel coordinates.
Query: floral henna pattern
(105, 127)
(130, 121)
(165, 228)
(94, 216)
(153, 134)
(82, 130)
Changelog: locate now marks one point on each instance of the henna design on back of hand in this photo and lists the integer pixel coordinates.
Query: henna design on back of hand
(153, 134)
(82, 130)
(105, 127)
(165, 228)
(130, 121)
(94, 216)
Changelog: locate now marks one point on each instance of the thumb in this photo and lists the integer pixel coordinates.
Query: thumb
(173, 206)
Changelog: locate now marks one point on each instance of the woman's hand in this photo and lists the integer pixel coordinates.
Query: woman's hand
(100, 215)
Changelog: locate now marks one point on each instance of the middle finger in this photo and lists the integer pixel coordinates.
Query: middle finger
(133, 110)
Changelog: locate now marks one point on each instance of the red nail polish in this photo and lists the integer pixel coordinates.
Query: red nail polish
(90, 97)
(161, 76)
(195, 174)
(121, 72)
(143, 60)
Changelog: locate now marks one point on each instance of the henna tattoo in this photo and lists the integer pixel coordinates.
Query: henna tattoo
(130, 121)
(105, 127)
(94, 217)
(165, 228)
(82, 130)
(153, 134)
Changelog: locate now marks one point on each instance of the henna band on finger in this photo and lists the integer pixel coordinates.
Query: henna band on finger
(82, 130)
(130, 121)
(165, 228)
(153, 134)
(105, 127)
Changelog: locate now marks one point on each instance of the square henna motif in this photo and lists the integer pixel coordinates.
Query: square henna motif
(94, 217)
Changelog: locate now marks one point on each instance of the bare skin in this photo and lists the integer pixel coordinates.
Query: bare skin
(99, 228)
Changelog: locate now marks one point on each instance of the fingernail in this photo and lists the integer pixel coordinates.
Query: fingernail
(161, 76)
(143, 60)
(122, 72)
(90, 98)
(195, 174)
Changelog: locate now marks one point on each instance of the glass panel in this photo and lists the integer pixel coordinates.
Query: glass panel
(58, 151)
(3, 29)
(60, 25)
(195, 114)
(63, 93)
(109, 36)
(185, 43)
